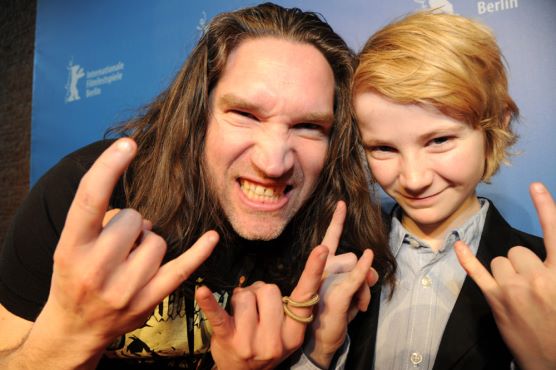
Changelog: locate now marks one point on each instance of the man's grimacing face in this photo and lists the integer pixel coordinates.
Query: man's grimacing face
(268, 131)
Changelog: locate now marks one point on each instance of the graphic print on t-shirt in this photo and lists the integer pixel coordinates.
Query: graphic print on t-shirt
(168, 331)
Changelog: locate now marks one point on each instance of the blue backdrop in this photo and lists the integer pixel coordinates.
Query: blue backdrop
(97, 62)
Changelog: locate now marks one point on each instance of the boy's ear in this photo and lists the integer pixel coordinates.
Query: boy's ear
(507, 119)
(488, 156)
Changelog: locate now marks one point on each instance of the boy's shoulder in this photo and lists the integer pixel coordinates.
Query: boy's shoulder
(498, 228)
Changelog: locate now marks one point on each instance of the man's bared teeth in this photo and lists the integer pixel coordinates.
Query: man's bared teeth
(259, 190)
(260, 193)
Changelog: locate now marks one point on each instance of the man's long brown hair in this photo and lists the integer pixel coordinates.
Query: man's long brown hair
(167, 182)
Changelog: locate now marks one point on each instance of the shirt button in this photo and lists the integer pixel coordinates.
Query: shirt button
(416, 358)
(426, 281)
(414, 243)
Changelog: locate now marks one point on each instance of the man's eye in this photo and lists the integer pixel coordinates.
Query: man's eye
(245, 114)
(308, 126)
(311, 130)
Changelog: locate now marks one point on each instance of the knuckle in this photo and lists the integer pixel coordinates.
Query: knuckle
(63, 260)
(89, 204)
(118, 299)
(273, 351)
(270, 289)
(539, 284)
(512, 288)
(181, 274)
(516, 252)
(351, 258)
(109, 215)
(88, 200)
(155, 242)
(217, 321)
(131, 217)
(246, 353)
(91, 280)
(496, 262)
(296, 340)
(278, 351)
(243, 296)
(133, 214)
(159, 240)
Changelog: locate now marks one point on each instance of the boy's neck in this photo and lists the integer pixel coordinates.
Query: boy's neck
(435, 234)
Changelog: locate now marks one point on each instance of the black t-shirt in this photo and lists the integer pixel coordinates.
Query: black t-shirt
(176, 334)
(26, 258)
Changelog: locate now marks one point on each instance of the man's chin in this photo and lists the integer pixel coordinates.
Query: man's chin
(258, 232)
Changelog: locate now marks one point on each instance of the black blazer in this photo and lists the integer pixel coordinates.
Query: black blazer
(471, 340)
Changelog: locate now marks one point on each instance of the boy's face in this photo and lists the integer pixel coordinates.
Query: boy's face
(271, 114)
(428, 162)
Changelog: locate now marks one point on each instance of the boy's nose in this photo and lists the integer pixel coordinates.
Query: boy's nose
(415, 175)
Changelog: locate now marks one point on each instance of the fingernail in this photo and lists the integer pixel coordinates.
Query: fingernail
(460, 247)
(212, 236)
(124, 146)
(538, 187)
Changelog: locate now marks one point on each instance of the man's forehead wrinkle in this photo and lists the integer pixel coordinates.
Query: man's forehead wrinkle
(231, 100)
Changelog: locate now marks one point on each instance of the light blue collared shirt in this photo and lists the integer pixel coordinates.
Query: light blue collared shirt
(428, 283)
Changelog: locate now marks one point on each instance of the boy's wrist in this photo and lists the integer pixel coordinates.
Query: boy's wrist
(323, 355)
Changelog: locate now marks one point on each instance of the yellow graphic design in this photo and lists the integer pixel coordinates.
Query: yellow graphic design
(166, 332)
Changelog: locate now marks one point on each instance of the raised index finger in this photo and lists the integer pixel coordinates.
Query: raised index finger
(475, 269)
(334, 230)
(546, 210)
(85, 215)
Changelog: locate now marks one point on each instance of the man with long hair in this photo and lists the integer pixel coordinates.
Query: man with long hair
(243, 158)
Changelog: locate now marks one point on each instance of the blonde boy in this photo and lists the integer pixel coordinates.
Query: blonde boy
(432, 103)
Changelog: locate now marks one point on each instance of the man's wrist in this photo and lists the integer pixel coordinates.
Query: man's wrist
(51, 346)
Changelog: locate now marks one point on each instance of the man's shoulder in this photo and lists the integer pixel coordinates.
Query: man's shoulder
(87, 155)
(65, 175)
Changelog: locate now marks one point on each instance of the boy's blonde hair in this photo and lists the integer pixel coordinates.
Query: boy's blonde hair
(449, 62)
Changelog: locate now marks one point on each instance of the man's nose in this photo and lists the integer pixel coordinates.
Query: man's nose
(415, 175)
(273, 153)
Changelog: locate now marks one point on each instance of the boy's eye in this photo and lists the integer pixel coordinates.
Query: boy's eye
(441, 144)
(382, 148)
(381, 151)
(439, 140)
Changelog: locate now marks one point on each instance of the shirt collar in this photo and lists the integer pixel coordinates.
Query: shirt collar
(470, 232)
